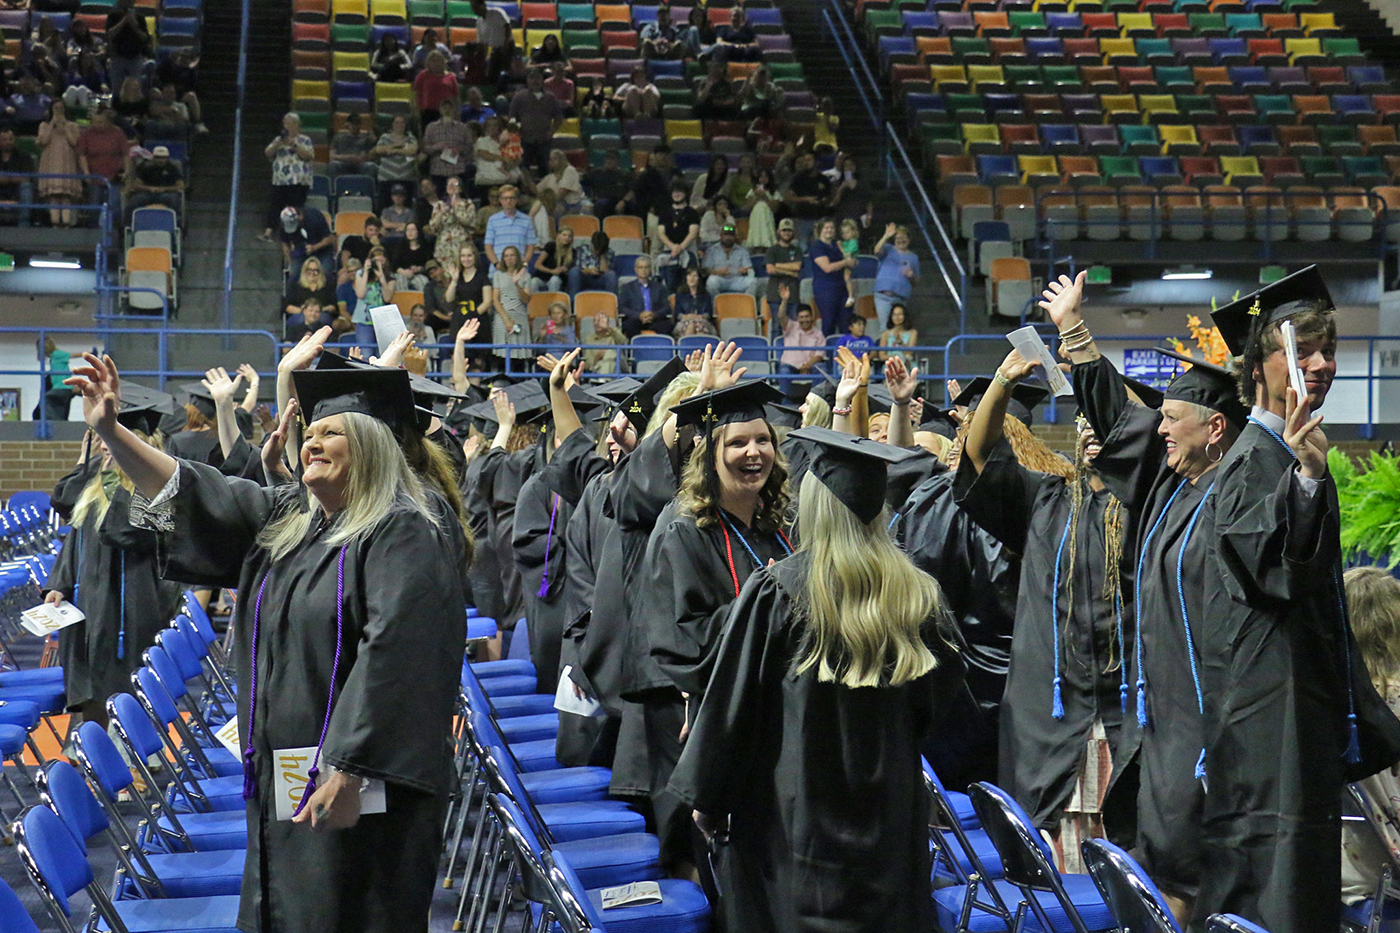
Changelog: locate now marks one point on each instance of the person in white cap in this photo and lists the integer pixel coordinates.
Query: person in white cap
(157, 180)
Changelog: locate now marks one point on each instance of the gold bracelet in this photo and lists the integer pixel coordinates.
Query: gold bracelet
(1000, 379)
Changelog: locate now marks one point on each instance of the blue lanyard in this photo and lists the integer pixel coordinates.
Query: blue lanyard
(1137, 605)
(1057, 706)
(756, 562)
(121, 631)
(1186, 622)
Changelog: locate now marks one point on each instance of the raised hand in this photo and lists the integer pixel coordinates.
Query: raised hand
(560, 377)
(694, 360)
(274, 464)
(505, 409)
(99, 384)
(900, 380)
(305, 352)
(850, 382)
(547, 362)
(1016, 367)
(394, 353)
(249, 374)
(220, 385)
(1060, 301)
(916, 412)
(717, 371)
(469, 330)
(1303, 433)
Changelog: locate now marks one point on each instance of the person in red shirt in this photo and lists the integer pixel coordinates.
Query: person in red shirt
(433, 87)
(102, 147)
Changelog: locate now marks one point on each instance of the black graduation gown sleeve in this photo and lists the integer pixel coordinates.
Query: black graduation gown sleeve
(538, 542)
(644, 484)
(218, 524)
(575, 464)
(1132, 458)
(67, 490)
(906, 476)
(1001, 497)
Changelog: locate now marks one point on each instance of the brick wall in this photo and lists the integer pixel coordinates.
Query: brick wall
(34, 464)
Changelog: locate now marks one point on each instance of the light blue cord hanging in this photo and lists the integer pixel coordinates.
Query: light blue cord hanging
(1137, 605)
(1353, 750)
(1186, 624)
(1057, 706)
(890, 526)
(121, 630)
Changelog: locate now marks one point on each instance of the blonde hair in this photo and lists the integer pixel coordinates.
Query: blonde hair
(865, 602)
(309, 263)
(851, 225)
(379, 482)
(680, 388)
(698, 495)
(1373, 602)
(818, 412)
(93, 502)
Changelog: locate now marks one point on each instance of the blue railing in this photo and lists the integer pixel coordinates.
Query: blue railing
(227, 317)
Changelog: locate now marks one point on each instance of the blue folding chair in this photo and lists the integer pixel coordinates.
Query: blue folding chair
(683, 907)
(187, 792)
(59, 870)
(1133, 899)
(208, 757)
(1230, 923)
(13, 917)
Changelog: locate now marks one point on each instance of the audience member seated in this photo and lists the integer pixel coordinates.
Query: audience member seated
(395, 156)
(82, 39)
(638, 97)
(359, 244)
(713, 222)
(597, 102)
(291, 154)
(712, 184)
(131, 107)
(311, 316)
(562, 179)
(729, 266)
(802, 332)
(448, 144)
(390, 62)
(695, 309)
(560, 87)
(662, 38)
(475, 110)
(607, 185)
(86, 80)
(13, 189)
(760, 97)
(539, 115)
(310, 282)
(492, 168)
(27, 107)
(736, 41)
(509, 227)
(604, 332)
(157, 180)
(555, 262)
(352, 150)
(809, 194)
(426, 203)
(451, 222)
(849, 195)
(549, 52)
(644, 303)
(181, 69)
(417, 324)
(38, 61)
(408, 258)
(559, 328)
(899, 333)
(431, 42)
(766, 210)
(128, 43)
(855, 338)
(715, 97)
(433, 87)
(699, 33)
(397, 214)
(305, 232)
(593, 269)
(167, 117)
(345, 287)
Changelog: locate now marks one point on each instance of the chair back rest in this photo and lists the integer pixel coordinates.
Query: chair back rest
(186, 627)
(135, 725)
(13, 917)
(185, 660)
(500, 771)
(52, 856)
(166, 672)
(99, 758)
(1026, 858)
(573, 896)
(1230, 923)
(68, 795)
(155, 696)
(1133, 900)
(525, 848)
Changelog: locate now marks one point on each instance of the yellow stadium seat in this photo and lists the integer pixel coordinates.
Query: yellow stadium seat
(349, 11)
(981, 138)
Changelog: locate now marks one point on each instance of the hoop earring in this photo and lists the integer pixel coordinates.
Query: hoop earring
(1219, 454)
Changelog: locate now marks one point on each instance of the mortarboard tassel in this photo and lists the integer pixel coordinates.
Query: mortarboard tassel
(1123, 696)
(1201, 766)
(1353, 753)
(1142, 703)
(1057, 708)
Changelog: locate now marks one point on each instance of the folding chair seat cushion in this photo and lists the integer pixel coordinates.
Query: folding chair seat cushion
(529, 728)
(532, 704)
(169, 915)
(221, 761)
(962, 806)
(20, 713)
(12, 739)
(33, 675)
(981, 845)
(502, 668)
(948, 903)
(226, 829)
(567, 785)
(481, 627)
(48, 697)
(224, 793)
(611, 860)
(535, 756)
(199, 874)
(512, 685)
(683, 907)
(590, 820)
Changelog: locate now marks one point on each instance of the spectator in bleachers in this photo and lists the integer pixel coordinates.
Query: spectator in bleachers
(492, 168)
(766, 210)
(715, 97)
(467, 296)
(82, 39)
(555, 262)
(345, 289)
(448, 144)
(58, 155)
(128, 43)
(848, 193)
(607, 184)
(740, 189)
(291, 154)
(434, 295)
(373, 286)
(695, 308)
(699, 33)
(561, 87)
(510, 299)
(46, 34)
(711, 185)
(509, 227)
(86, 80)
(390, 62)
(783, 260)
(898, 333)
(735, 41)
(181, 69)
(168, 118)
(828, 277)
(549, 52)
(352, 150)
(102, 146)
(417, 324)
(496, 40)
(359, 244)
(760, 97)
(563, 180)
(824, 133)
(678, 233)
(430, 42)
(58, 398)
(433, 87)
(604, 332)
(539, 116)
(13, 189)
(39, 61)
(637, 96)
(559, 328)
(898, 272)
(662, 38)
(451, 223)
(311, 282)
(802, 332)
(809, 194)
(713, 222)
(597, 103)
(397, 214)
(593, 269)
(131, 106)
(27, 107)
(408, 257)
(304, 232)
(157, 180)
(426, 203)
(310, 317)
(855, 338)
(644, 303)
(728, 266)
(395, 156)
(848, 238)
(651, 189)
(475, 110)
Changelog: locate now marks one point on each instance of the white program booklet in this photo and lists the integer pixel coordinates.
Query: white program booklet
(566, 701)
(388, 324)
(46, 618)
(1032, 347)
(290, 777)
(228, 737)
(636, 894)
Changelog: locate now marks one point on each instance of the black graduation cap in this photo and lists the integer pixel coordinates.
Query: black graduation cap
(783, 416)
(428, 394)
(383, 394)
(1239, 320)
(743, 401)
(584, 402)
(617, 390)
(1151, 396)
(1024, 397)
(878, 399)
(200, 398)
(527, 397)
(1206, 384)
(855, 469)
(940, 421)
(642, 402)
(141, 409)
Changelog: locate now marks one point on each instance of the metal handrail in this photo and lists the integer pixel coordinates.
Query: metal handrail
(227, 317)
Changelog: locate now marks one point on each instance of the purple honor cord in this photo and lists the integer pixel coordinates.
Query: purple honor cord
(549, 539)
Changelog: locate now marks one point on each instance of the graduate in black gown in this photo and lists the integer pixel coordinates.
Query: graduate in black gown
(108, 569)
(728, 521)
(67, 490)
(1066, 685)
(1161, 465)
(199, 440)
(803, 764)
(1291, 712)
(354, 627)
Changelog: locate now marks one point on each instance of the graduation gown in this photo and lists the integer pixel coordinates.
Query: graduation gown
(108, 569)
(67, 490)
(199, 446)
(539, 546)
(396, 687)
(485, 571)
(980, 578)
(828, 814)
(1279, 658)
(1172, 516)
(1041, 753)
(502, 477)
